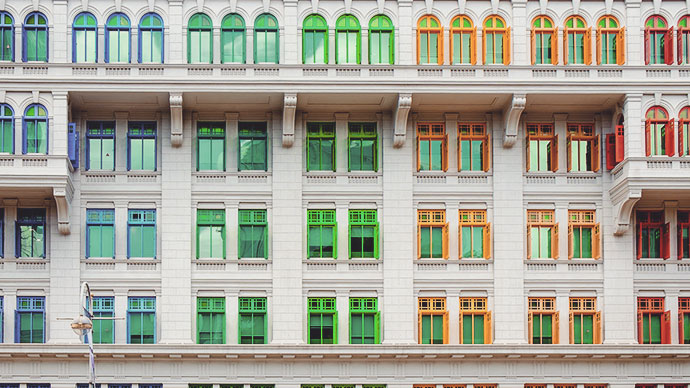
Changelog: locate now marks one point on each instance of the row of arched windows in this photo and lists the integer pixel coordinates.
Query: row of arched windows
(661, 133)
(658, 41)
(34, 129)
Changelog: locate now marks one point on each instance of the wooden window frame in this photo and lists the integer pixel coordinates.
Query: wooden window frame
(494, 30)
(543, 306)
(476, 306)
(463, 30)
(653, 305)
(553, 31)
(475, 218)
(585, 306)
(586, 41)
(542, 131)
(584, 132)
(683, 308)
(432, 307)
(539, 218)
(683, 121)
(432, 218)
(432, 131)
(475, 131)
(620, 38)
(643, 220)
(682, 221)
(584, 218)
(668, 40)
(429, 30)
(659, 115)
(682, 52)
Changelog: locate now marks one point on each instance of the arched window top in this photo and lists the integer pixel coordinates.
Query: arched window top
(494, 22)
(461, 22)
(200, 21)
(232, 21)
(151, 21)
(347, 22)
(35, 111)
(6, 111)
(36, 19)
(118, 20)
(657, 113)
(6, 19)
(266, 21)
(380, 22)
(85, 20)
(607, 21)
(684, 21)
(575, 22)
(429, 22)
(542, 22)
(684, 113)
(656, 21)
(315, 22)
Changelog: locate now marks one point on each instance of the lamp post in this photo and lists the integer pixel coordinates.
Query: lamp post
(82, 326)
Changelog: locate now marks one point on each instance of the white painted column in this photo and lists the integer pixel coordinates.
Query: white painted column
(121, 215)
(341, 217)
(405, 40)
(121, 140)
(634, 31)
(231, 231)
(364, 46)
(216, 45)
(9, 306)
(452, 132)
(671, 217)
(231, 141)
(120, 328)
(563, 308)
(176, 52)
(342, 303)
(520, 50)
(249, 51)
(57, 44)
(634, 126)
(453, 219)
(291, 54)
(671, 304)
(561, 214)
(18, 133)
(341, 148)
(58, 131)
(232, 317)
(560, 127)
(331, 45)
(453, 306)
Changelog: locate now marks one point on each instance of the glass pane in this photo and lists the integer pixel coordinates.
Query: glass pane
(217, 242)
(425, 242)
(433, 48)
(577, 329)
(368, 237)
(356, 324)
(327, 247)
(655, 323)
(146, 46)
(107, 241)
(426, 329)
(586, 242)
(148, 328)
(205, 47)
(437, 242)
(355, 156)
(544, 154)
(534, 243)
(368, 155)
(424, 48)
(135, 154)
(356, 241)
(436, 155)
(314, 237)
(205, 154)
(375, 49)
(438, 329)
(108, 154)
(465, 155)
(477, 155)
(157, 47)
(123, 55)
(588, 329)
(204, 241)
(272, 47)
(313, 163)
(149, 162)
(95, 154)
(478, 242)
(545, 242)
(466, 242)
(424, 155)
(149, 241)
(327, 155)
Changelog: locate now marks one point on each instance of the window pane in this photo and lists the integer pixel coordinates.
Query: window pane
(478, 241)
(135, 241)
(148, 328)
(426, 329)
(356, 323)
(436, 155)
(314, 241)
(217, 242)
(204, 241)
(135, 154)
(205, 154)
(95, 153)
(149, 154)
(314, 155)
(368, 155)
(477, 155)
(108, 154)
(327, 241)
(437, 242)
(466, 241)
(425, 242)
(545, 242)
(327, 154)
(107, 241)
(479, 329)
(466, 329)
(465, 155)
(424, 155)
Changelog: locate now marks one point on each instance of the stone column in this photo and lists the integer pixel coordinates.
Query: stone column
(176, 50)
(634, 125)
(291, 54)
(406, 38)
(520, 50)
(57, 41)
(634, 31)
(342, 147)
(560, 124)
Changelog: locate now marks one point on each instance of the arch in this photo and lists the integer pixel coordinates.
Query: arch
(6, 128)
(658, 41)
(575, 22)
(233, 39)
(200, 20)
(463, 40)
(200, 39)
(608, 22)
(429, 40)
(348, 33)
(276, 13)
(314, 40)
(85, 38)
(35, 33)
(610, 41)
(266, 39)
(151, 39)
(656, 22)
(118, 38)
(381, 40)
(657, 112)
(544, 37)
(35, 129)
(6, 36)
(548, 14)
(577, 41)
(375, 12)
(659, 133)
(495, 40)
(308, 12)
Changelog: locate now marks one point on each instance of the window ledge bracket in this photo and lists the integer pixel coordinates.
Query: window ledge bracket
(63, 197)
(176, 136)
(511, 116)
(623, 210)
(402, 111)
(289, 110)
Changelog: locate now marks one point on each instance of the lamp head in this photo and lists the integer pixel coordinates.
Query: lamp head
(81, 325)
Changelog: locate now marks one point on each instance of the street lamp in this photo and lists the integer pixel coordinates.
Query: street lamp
(82, 326)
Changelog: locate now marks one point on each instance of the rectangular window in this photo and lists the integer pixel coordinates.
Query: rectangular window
(543, 321)
(253, 234)
(542, 235)
(323, 321)
(584, 236)
(583, 148)
(6, 126)
(320, 146)
(432, 147)
(31, 233)
(365, 321)
(653, 323)
(432, 234)
(253, 322)
(584, 321)
(253, 146)
(433, 321)
(475, 235)
(474, 147)
(362, 147)
(475, 321)
(542, 148)
(141, 320)
(210, 320)
(364, 234)
(30, 320)
(684, 320)
(210, 233)
(141, 233)
(104, 323)
(141, 145)
(683, 229)
(683, 133)
(100, 233)
(210, 146)
(100, 145)
(652, 235)
(322, 234)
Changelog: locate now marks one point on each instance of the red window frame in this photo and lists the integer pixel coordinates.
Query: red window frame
(668, 39)
(659, 115)
(648, 219)
(683, 50)
(683, 308)
(653, 306)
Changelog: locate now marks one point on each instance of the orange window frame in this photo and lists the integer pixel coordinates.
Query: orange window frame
(475, 131)
(683, 308)
(585, 306)
(653, 305)
(564, 386)
(542, 218)
(432, 131)
(432, 218)
(596, 386)
(584, 218)
(475, 218)
(540, 307)
(543, 131)
(553, 31)
(658, 115)
(433, 307)
(684, 126)
(472, 31)
(495, 30)
(584, 132)
(620, 38)
(476, 306)
(586, 41)
(429, 30)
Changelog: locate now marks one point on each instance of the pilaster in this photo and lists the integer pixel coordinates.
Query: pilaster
(520, 50)
(634, 126)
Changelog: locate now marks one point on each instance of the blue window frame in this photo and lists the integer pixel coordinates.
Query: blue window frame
(150, 385)
(30, 233)
(85, 39)
(10, 385)
(141, 320)
(103, 329)
(35, 38)
(141, 146)
(6, 36)
(35, 130)
(119, 385)
(100, 233)
(100, 145)
(2, 319)
(37, 385)
(2, 233)
(141, 233)
(117, 39)
(6, 128)
(30, 320)
(151, 37)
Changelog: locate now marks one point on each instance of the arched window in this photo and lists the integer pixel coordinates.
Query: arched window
(117, 39)
(429, 40)
(266, 39)
(658, 41)
(577, 42)
(315, 40)
(200, 39)
(684, 132)
(463, 38)
(658, 132)
(6, 129)
(610, 41)
(6, 37)
(496, 39)
(84, 39)
(232, 39)
(151, 39)
(683, 38)
(544, 41)
(347, 39)
(35, 38)
(381, 37)
(35, 130)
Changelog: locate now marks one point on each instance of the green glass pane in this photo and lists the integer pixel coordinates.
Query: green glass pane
(426, 329)
(466, 242)
(108, 154)
(544, 154)
(686, 328)
(436, 155)
(103, 332)
(314, 160)
(437, 242)
(465, 155)
(25, 327)
(149, 150)
(586, 242)
(466, 329)
(478, 329)
(327, 162)
(314, 241)
(424, 155)
(534, 155)
(356, 328)
(425, 242)
(148, 328)
(95, 154)
(477, 147)
(217, 242)
(478, 242)
(438, 329)
(544, 242)
(433, 48)
(135, 154)
(327, 247)
(7, 136)
(369, 329)
(355, 156)
(424, 48)
(204, 239)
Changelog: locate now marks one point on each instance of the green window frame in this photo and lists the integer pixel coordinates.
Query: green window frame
(141, 233)
(100, 233)
(322, 234)
(315, 40)
(210, 321)
(253, 146)
(233, 39)
(322, 321)
(381, 41)
(84, 31)
(364, 234)
(141, 320)
(141, 146)
(210, 146)
(321, 146)
(266, 39)
(200, 39)
(30, 320)
(347, 40)
(103, 308)
(362, 139)
(365, 321)
(210, 234)
(100, 145)
(253, 234)
(253, 325)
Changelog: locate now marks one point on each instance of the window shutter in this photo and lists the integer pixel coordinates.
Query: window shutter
(610, 151)
(570, 241)
(487, 153)
(554, 154)
(444, 156)
(530, 319)
(460, 152)
(665, 241)
(647, 130)
(565, 45)
(419, 245)
(679, 241)
(487, 241)
(17, 325)
(418, 53)
(506, 47)
(647, 51)
(527, 154)
(571, 324)
(679, 52)
(597, 327)
(620, 48)
(445, 241)
(376, 240)
(666, 328)
(598, 46)
(568, 145)
(554, 241)
(445, 327)
(640, 337)
(668, 46)
(681, 151)
(554, 46)
(670, 147)
(681, 332)
(639, 241)
(473, 46)
(620, 143)
(440, 47)
(335, 241)
(533, 51)
(377, 327)
(588, 46)
(483, 47)
(462, 327)
(529, 242)
(419, 327)
(555, 332)
(419, 151)
(487, 328)
(596, 242)
(596, 154)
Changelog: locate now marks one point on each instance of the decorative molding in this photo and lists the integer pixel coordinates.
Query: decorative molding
(542, 6)
(494, 6)
(511, 117)
(35, 4)
(84, 5)
(461, 6)
(152, 5)
(200, 5)
(657, 6)
(348, 6)
(289, 110)
(624, 211)
(402, 110)
(3, 93)
(267, 5)
(118, 5)
(35, 96)
(315, 6)
(576, 6)
(382, 4)
(62, 200)
(176, 136)
(429, 5)
(608, 4)
(233, 6)
(657, 98)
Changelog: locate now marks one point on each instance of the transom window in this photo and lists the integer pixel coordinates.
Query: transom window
(266, 39)
(542, 147)
(475, 234)
(210, 229)
(432, 147)
(232, 39)
(84, 38)
(315, 40)
(35, 130)
(584, 236)
(659, 132)
(496, 41)
(577, 45)
(6, 128)
(429, 40)
(658, 38)
(432, 234)
(381, 41)
(542, 234)
(652, 235)
(322, 234)
(117, 40)
(475, 321)
(6, 36)
(433, 320)
(583, 148)
(544, 36)
(463, 38)
(322, 321)
(151, 39)
(35, 42)
(100, 145)
(474, 147)
(610, 41)
(347, 40)
(543, 320)
(362, 147)
(200, 39)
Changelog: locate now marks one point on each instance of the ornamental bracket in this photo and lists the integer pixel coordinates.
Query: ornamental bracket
(289, 110)
(176, 136)
(624, 211)
(402, 111)
(511, 118)
(62, 200)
